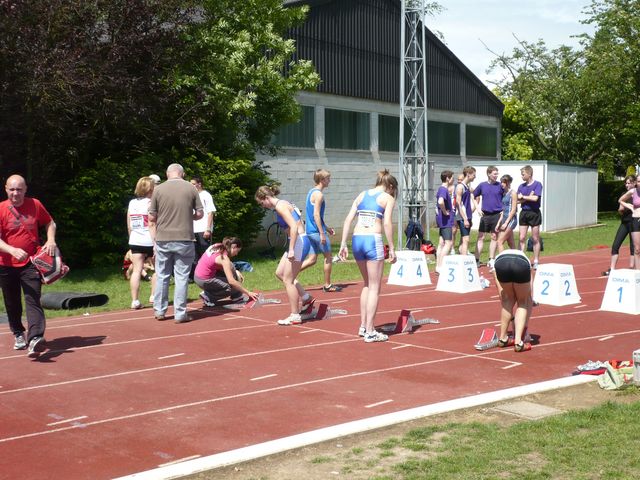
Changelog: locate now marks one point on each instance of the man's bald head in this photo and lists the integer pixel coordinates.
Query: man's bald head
(16, 188)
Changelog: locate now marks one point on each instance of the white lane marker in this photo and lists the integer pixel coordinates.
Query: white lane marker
(311, 330)
(171, 356)
(606, 338)
(515, 364)
(378, 403)
(66, 421)
(401, 346)
(584, 305)
(180, 460)
(263, 377)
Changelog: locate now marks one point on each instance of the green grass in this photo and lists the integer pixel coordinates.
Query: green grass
(109, 280)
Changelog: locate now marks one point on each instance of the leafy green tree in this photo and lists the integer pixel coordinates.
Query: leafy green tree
(89, 90)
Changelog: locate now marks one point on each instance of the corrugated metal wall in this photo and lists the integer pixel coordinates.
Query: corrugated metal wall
(355, 46)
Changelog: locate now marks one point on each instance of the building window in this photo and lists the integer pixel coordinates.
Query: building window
(444, 138)
(300, 134)
(482, 141)
(346, 130)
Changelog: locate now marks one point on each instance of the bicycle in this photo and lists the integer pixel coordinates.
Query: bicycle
(276, 236)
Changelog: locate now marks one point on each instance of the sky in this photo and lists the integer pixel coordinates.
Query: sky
(467, 24)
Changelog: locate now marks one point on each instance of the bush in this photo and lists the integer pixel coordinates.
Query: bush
(91, 215)
(609, 192)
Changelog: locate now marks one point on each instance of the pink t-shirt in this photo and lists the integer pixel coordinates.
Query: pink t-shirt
(207, 267)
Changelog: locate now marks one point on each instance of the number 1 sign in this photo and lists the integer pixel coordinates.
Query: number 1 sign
(623, 292)
(410, 269)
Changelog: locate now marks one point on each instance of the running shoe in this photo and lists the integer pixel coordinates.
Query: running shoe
(293, 319)
(606, 272)
(21, 343)
(136, 305)
(522, 347)
(185, 319)
(375, 336)
(361, 331)
(332, 288)
(36, 345)
(205, 300)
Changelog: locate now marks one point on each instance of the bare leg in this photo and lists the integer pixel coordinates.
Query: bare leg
(137, 262)
(327, 266)
(309, 261)
(535, 235)
(464, 245)
(369, 301)
(523, 312)
(287, 271)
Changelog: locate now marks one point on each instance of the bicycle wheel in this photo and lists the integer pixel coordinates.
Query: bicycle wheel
(275, 236)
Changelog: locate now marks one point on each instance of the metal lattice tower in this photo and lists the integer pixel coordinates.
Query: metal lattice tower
(414, 162)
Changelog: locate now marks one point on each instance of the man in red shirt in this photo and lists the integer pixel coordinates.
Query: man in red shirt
(20, 219)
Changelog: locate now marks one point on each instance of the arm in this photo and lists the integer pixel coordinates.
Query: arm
(207, 232)
(227, 267)
(514, 207)
(442, 206)
(283, 209)
(624, 200)
(50, 245)
(152, 226)
(461, 207)
(344, 252)
(388, 227)
(16, 253)
(198, 213)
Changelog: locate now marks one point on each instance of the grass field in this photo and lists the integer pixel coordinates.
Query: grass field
(109, 280)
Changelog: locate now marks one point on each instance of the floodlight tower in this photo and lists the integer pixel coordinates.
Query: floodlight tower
(413, 162)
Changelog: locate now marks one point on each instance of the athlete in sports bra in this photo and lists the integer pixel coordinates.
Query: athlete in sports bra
(287, 271)
(372, 210)
(633, 195)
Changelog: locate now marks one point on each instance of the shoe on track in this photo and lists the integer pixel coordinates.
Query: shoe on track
(332, 288)
(136, 305)
(361, 331)
(293, 319)
(20, 343)
(36, 346)
(375, 336)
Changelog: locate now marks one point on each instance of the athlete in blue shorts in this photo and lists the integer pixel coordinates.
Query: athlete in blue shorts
(317, 230)
(372, 210)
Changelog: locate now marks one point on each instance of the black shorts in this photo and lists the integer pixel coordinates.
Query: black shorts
(488, 222)
(446, 233)
(146, 251)
(512, 268)
(530, 218)
(635, 225)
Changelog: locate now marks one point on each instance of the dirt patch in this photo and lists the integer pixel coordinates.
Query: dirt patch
(363, 456)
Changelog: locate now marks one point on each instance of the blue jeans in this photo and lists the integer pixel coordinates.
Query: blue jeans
(176, 258)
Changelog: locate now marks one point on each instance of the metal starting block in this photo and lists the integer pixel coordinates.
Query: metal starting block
(321, 312)
(406, 323)
(252, 303)
(488, 339)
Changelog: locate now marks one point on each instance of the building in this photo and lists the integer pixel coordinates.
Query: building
(350, 125)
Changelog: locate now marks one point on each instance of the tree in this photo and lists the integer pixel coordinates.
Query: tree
(89, 88)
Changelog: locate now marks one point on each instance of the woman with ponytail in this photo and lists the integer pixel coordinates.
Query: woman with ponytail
(217, 276)
(289, 218)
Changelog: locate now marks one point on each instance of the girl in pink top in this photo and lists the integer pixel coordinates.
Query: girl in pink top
(217, 276)
(634, 195)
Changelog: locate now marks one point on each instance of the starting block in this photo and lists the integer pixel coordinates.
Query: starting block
(459, 274)
(406, 323)
(622, 293)
(410, 269)
(555, 284)
(488, 339)
(252, 303)
(321, 312)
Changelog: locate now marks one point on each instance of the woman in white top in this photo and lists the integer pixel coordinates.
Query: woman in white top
(140, 242)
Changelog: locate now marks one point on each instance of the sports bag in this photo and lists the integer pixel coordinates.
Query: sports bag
(50, 268)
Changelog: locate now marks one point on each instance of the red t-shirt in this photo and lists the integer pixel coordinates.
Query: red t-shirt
(19, 228)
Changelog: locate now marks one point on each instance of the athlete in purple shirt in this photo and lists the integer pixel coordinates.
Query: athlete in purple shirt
(529, 198)
(490, 207)
(445, 217)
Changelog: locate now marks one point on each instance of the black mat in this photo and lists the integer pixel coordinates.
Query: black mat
(72, 300)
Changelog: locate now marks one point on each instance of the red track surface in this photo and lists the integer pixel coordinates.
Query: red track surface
(119, 393)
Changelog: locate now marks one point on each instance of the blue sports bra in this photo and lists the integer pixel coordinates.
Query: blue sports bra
(295, 213)
(368, 208)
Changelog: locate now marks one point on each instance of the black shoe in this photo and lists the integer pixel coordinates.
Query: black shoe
(606, 272)
(36, 346)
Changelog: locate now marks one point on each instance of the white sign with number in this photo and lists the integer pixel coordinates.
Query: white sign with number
(410, 269)
(555, 284)
(623, 292)
(459, 274)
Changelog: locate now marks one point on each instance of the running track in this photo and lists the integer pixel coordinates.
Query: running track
(120, 393)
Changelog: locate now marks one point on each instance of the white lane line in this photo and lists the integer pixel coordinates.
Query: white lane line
(584, 305)
(171, 356)
(263, 377)
(515, 364)
(406, 345)
(608, 337)
(310, 330)
(377, 404)
(180, 460)
(357, 426)
(339, 301)
(66, 421)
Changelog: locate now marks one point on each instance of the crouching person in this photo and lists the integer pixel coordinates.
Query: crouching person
(217, 276)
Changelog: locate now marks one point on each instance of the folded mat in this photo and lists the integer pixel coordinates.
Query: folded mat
(72, 300)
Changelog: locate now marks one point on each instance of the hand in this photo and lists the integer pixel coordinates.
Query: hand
(291, 255)
(240, 277)
(19, 254)
(253, 295)
(331, 231)
(392, 255)
(323, 239)
(343, 253)
(480, 213)
(50, 248)
(206, 234)
(466, 222)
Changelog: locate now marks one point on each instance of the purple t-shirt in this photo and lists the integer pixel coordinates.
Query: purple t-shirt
(525, 189)
(442, 220)
(491, 194)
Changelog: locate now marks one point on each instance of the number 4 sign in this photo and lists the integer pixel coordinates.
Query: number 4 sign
(410, 269)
